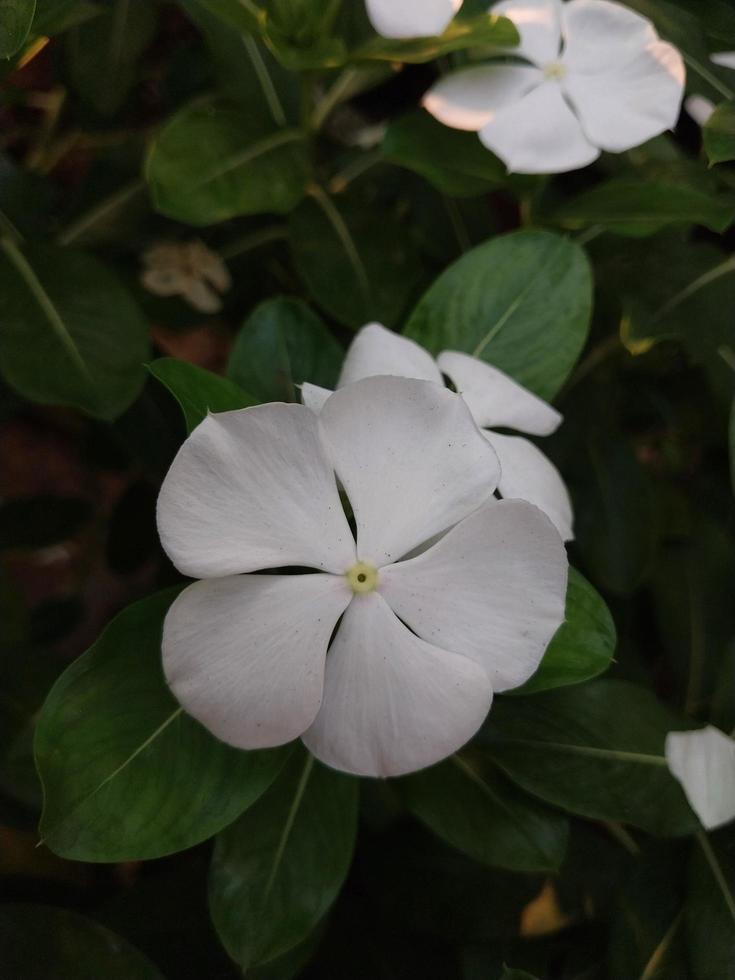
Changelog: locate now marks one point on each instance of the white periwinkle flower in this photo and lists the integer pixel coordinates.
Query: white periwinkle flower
(597, 78)
(725, 59)
(411, 18)
(422, 643)
(494, 399)
(704, 763)
(699, 108)
(186, 269)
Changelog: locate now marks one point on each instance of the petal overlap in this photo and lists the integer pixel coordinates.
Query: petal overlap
(376, 351)
(538, 23)
(472, 97)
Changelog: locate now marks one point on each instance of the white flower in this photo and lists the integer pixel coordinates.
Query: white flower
(494, 399)
(725, 59)
(597, 78)
(421, 644)
(704, 763)
(186, 269)
(699, 108)
(411, 18)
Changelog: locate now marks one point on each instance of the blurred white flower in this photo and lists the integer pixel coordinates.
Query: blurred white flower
(421, 644)
(411, 18)
(704, 763)
(186, 269)
(699, 108)
(725, 59)
(597, 77)
(494, 399)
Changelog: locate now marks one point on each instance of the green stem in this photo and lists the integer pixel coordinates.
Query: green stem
(100, 211)
(336, 94)
(273, 233)
(708, 76)
(723, 269)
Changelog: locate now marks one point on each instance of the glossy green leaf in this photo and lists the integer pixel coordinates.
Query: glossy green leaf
(710, 908)
(281, 345)
(480, 813)
(16, 17)
(521, 302)
(277, 870)
(213, 161)
(584, 644)
(72, 334)
(126, 774)
(719, 134)
(482, 31)
(198, 391)
(596, 750)
(39, 942)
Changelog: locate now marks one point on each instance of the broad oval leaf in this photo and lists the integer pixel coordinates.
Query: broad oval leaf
(521, 302)
(16, 17)
(719, 134)
(277, 870)
(596, 750)
(482, 814)
(213, 161)
(198, 391)
(126, 774)
(71, 334)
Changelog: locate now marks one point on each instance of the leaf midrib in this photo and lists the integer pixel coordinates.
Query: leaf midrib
(619, 755)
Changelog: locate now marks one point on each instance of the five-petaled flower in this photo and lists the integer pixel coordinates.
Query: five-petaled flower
(704, 763)
(424, 633)
(494, 399)
(411, 18)
(597, 77)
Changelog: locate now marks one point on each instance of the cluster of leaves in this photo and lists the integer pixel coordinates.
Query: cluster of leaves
(285, 134)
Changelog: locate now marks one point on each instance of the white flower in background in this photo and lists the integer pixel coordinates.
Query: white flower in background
(494, 399)
(411, 18)
(186, 269)
(422, 643)
(725, 59)
(699, 108)
(704, 763)
(597, 78)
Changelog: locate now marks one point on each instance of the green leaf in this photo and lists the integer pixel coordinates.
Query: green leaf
(39, 941)
(213, 161)
(584, 644)
(483, 31)
(126, 774)
(72, 334)
(719, 134)
(480, 813)
(710, 909)
(596, 750)
(277, 870)
(16, 17)
(634, 207)
(521, 302)
(455, 162)
(281, 345)
(732, 446)
(243, 15)
(197, 391)
(56, 16)
(509, 974)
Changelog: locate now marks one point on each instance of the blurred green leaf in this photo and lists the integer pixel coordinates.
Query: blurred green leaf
(72, 334)
(509, 974)
(483, 31)
(281, 345)
(719, 134)
(126, 774)
(732, 446)
(244, 15)
(38, 942)
(198, 391)
(16, 17)
(710, 908)
(56, 16)
(277, 870)
(213, 161)
(482, 814)
(584, 644)
(596, 750)
(521, 302)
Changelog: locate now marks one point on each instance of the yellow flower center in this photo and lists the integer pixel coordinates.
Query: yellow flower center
(362, 578)
(555, 71)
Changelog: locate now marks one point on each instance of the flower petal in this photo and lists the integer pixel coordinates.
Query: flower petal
(411, 18)
(314, 396)
(496, 399)
(245, 654)
(704, 763)
(376, 350)
(410, 459)
(254, 489)
(526, 474)
(725, 59)
(493, 589)
(539, 24)
(627, 105)
(539, 135)
(700, 109)
(393, 703)
(201, 296)
(471, 97)
(600, 35)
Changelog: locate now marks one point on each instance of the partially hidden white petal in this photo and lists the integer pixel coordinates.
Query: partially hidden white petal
(376, 350)
(539, 24)
(627, 105)
(411, 18)
(254, 489)
(526, 474)
(245, 654)
(699, 108)
(493, 589)
(201, 296)
(725, 59)
(704, 763)
(471, 97)
(410, 458)
(495, 399)
(600, 35)
(314, 396)
(539, 135)
(393, 703)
